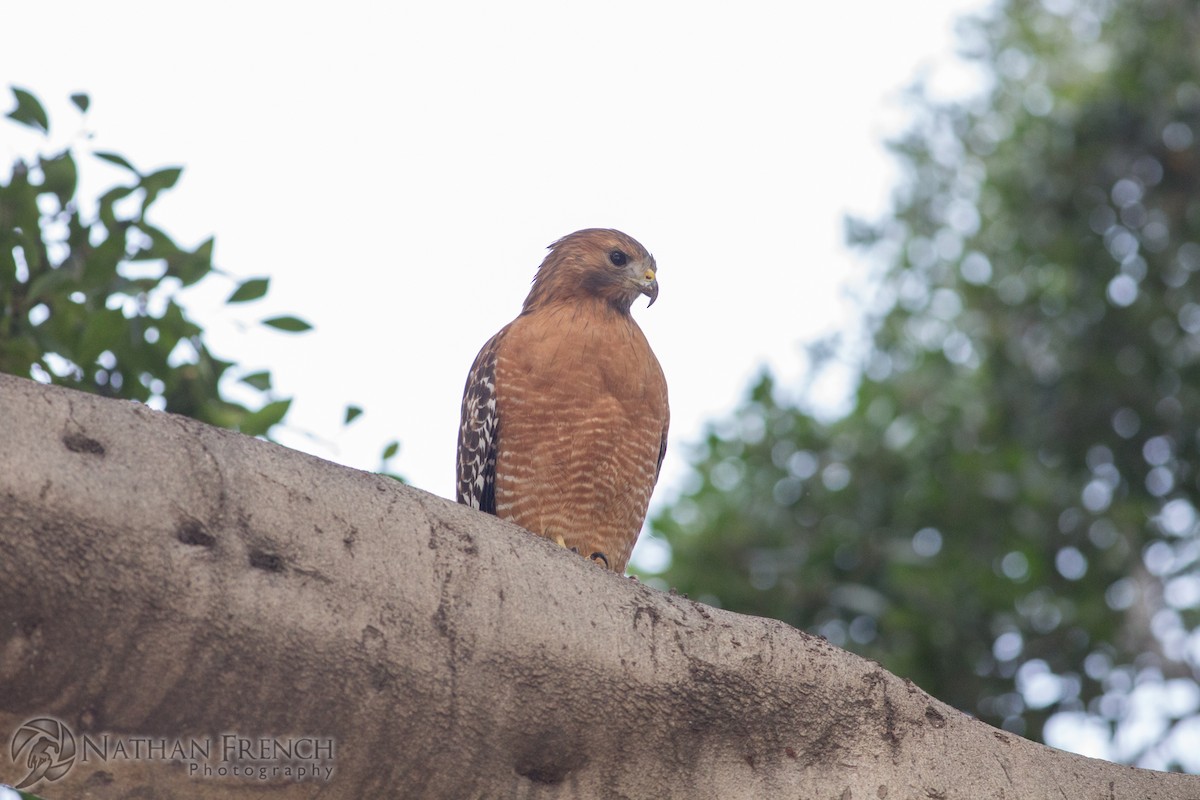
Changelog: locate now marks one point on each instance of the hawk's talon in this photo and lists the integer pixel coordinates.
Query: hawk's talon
(561, 542)
(601, 556)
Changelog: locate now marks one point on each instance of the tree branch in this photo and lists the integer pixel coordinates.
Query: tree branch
(165, 580)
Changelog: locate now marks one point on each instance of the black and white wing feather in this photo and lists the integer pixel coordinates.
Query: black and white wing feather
(477, 432)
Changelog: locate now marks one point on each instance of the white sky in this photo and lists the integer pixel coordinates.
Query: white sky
(398, 171)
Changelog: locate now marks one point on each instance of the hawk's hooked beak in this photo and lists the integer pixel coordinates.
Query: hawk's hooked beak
(648, 286)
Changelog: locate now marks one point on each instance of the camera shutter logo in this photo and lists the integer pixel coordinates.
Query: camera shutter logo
(44, 746)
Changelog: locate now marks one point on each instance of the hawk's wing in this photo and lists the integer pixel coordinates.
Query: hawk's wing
(662, 452)
(477, 432)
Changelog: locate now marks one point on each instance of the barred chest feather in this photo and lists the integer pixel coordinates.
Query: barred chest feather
(583, 407)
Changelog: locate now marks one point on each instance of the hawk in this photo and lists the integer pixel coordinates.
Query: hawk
(564, 415)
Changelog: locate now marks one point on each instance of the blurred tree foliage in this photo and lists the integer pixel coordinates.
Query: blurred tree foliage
(88, 296)
(89, 293)
(1008, 514)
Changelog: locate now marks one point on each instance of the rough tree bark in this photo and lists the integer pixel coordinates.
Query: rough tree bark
(164, 580)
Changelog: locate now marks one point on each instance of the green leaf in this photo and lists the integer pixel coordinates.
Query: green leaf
(352, 413)
(81, 101)
(61, 176)
(190, 267)
(20, 206)
(259, 380)
(101, 332)
(29, 111)
(99, 265)
(197, 264)
(156, 183)
(161, 179)
(119, 160)
(390, 451)
(257, 423)
(289, 324)
(160, 246)
(108, 200)
(248, 290)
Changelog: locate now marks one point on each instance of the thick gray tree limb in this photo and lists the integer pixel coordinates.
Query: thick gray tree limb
(163, 579)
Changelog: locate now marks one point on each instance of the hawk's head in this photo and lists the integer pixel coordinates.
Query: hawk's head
(596, 262)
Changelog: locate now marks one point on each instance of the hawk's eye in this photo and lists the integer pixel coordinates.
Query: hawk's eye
(618, 258)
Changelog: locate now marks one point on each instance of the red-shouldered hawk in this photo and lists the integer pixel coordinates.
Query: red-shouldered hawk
(564, 415)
